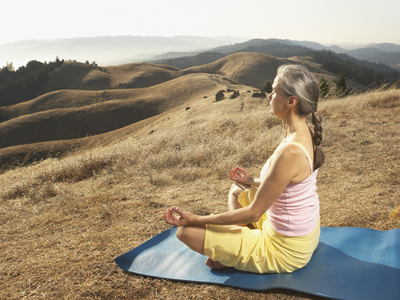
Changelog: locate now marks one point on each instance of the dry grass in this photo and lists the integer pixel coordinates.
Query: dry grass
(63, 221)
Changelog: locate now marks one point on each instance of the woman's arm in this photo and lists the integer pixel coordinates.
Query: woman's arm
(285, 167)
(237, 216)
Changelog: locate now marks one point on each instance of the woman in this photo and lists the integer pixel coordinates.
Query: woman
(282, 206)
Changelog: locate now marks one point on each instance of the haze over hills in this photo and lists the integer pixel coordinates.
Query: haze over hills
(117, 50)
(386, 53)
(106, 50)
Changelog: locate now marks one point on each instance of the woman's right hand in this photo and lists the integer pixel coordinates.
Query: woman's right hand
(240, 175)
(183, 219)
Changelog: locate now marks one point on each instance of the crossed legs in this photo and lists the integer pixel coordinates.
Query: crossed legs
(194, 236)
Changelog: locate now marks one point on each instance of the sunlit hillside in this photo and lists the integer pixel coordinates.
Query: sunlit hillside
(73, 114)
(254, 69)
(64, 220)
(80, 115)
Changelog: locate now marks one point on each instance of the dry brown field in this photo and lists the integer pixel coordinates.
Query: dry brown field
(64, 219)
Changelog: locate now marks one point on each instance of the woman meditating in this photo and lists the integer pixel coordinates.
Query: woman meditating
(272, 225)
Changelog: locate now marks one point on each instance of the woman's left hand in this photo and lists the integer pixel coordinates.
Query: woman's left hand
(184, 218)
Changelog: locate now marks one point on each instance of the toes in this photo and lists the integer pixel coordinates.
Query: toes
(209, 261)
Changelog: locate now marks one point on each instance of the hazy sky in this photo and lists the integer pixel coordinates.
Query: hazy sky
(326, 22)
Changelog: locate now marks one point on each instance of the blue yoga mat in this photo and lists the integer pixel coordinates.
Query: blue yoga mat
(349, 263)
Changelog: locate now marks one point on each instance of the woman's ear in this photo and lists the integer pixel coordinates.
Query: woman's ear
(292, 101)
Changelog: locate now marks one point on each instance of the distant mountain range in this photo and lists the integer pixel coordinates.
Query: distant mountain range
(386, 53)
(117, 50)
(295, 45)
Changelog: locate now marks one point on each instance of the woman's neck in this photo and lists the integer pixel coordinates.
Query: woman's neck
(293, 125)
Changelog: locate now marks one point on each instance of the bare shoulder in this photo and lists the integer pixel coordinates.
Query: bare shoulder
(290, 160)
(286, 158)
(288, 152)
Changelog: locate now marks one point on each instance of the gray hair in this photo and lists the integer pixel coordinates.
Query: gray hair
(296, 80)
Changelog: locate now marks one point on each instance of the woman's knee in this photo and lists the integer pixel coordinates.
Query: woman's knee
(193, 237)
(180, 233)
(183, 233)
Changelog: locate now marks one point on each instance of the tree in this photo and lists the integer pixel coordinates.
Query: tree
(267, 87)
(10, 67)
(341, 86)
(324, 87)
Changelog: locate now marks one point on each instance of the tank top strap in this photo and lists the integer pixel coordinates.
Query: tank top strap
(306, 153)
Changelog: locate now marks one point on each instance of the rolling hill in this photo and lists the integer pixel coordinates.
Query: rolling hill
(131, 95)
(251, 68)
(54, 117)
(37, 78)
(73, 75)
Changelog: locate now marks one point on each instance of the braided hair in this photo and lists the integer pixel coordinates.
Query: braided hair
(296, 80)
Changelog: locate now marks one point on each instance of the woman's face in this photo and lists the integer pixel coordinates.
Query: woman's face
(277, 99)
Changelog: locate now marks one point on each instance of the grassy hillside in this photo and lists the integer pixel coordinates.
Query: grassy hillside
(63, 221)
(74, 113)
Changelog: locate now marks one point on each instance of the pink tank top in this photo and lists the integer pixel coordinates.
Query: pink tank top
(296, 211)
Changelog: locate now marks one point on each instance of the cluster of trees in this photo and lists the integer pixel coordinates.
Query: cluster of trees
(93, 63)
(340, 90)
(26, 82)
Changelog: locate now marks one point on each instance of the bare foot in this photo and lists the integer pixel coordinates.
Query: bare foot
(214, 264)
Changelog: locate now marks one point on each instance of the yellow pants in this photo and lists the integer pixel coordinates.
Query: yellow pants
(260, 250)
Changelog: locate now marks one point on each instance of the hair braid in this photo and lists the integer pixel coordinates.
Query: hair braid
(316, 120)
(319, 156)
